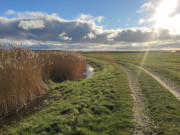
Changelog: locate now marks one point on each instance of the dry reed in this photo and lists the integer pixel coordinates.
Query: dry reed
(24, 73)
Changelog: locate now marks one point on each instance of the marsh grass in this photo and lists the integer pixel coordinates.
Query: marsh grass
(24, 73)
(65, 65)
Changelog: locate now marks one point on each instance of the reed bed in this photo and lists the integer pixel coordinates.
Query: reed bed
(24, 74)
(64, 65)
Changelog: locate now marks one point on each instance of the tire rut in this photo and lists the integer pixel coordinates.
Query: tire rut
(171, 89)
(143, 123)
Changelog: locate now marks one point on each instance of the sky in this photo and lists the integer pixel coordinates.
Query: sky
(91, 25)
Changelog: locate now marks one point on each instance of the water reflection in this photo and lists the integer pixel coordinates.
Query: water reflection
(89, 70)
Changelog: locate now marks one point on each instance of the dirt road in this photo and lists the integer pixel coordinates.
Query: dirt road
(144, 125)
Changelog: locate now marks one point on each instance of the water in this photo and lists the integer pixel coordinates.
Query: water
(89, 70)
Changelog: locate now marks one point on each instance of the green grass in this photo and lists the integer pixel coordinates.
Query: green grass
(103, 104)
(167, 65)
(163, 106)
(99, 105)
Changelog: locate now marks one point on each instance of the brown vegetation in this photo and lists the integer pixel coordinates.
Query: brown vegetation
(24, 73)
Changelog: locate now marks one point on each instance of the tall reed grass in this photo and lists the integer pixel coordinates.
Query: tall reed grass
(24, 74)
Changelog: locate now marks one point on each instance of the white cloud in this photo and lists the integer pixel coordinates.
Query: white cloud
(89, 36)
(32, 24)
(146, 7)
(64, 36)
(111, 36)
(171, 23)
(100, 19)
(165, 14)
(88, 17)
(10, 12)
(4, 20)
(141, 21)
(85, 17)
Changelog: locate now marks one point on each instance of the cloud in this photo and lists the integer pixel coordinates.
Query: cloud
(100, 19)
(141, 21)
(89, 36)
(64, 36)
(32, 24)
(165, 14)
(88, 17)
(146, 7)
(10, 12)
(111, 36)
(49, 30)
(85, 17)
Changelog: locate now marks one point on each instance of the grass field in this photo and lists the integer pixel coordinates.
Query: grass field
(103, 103)
(166, 65)
(163, 107)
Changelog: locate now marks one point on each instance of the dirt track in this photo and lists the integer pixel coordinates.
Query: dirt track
(171, 89)
(144, 125)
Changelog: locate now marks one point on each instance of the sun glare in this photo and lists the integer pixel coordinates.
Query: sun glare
(163, 12)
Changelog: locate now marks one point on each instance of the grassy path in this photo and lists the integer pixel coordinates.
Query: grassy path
(163, 107)
(144, 124)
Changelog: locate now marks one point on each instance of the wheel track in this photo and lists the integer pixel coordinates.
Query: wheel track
(168, 87)
(144, 124)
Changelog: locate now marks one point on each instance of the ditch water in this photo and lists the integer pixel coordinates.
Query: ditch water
(89, 70)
